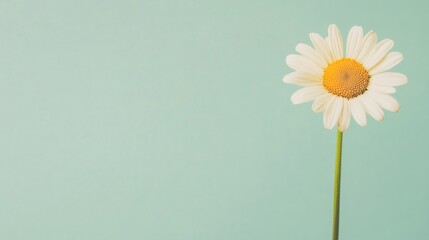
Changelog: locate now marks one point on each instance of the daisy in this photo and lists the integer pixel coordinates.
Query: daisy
(343, 85)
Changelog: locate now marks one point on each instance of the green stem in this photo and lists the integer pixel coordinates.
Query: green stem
(337, 186)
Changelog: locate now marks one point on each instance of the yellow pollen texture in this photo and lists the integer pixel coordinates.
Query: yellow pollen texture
(346, 78)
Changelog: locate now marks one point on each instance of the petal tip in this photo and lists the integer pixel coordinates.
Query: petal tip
(361, 123)
(288, 78)
(405, 79)
(293, 100)
(397, 108)
(299, 46)
(332, 26)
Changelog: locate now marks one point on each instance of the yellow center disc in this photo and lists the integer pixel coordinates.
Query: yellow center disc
(346, 78)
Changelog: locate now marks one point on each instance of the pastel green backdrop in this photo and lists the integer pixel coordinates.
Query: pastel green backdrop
(169, 120)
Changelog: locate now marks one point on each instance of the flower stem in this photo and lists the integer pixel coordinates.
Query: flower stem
(337, 186)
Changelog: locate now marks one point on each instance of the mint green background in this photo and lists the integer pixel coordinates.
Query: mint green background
(168, 120)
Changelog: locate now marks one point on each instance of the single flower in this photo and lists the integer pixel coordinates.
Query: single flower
(354, 84)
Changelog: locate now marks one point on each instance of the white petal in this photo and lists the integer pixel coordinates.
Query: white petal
(328, 42)
(302, 64)
(321, 46)
(385, 101)
(390, 79)
(369, 41)
(302, 79)
(332, 112)
(320, 103)
(371, 107)
(307, 94)
(354, 42)
(381, 89)
(378, 53)
(335, 42)
(344, 120)
(358, 112)
(312, 54)
(327, 110)
(391, 60)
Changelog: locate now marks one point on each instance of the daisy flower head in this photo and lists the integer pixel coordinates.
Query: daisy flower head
(354, 82)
